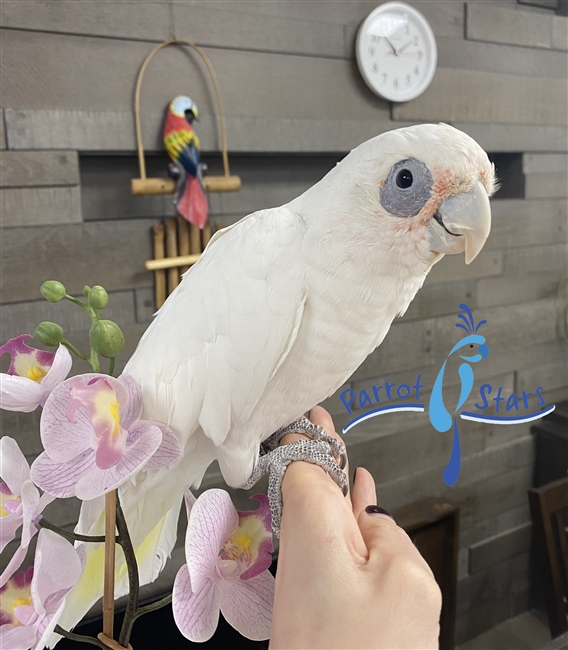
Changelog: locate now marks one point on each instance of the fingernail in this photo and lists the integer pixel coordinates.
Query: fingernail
(377, 510)
(345, 490)
(355, 475)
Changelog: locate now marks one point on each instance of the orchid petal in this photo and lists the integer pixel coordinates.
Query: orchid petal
(14, 564)
(247, 605)
(213, 519)
(30, 505)
(60, 479)
(19, 393)
(258, 524)
(60, 368)
(111, 448)
(19, 350)
(46, 627)
(189, 499)
(9, 525)
(25, 614)
(131, 409)
(14, 468)
(196, 614)
(57, 568)
(96, 481)
(64, 440)
(17, 637)
(168, 451)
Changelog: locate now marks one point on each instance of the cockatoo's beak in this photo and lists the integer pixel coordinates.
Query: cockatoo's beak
(462, 222)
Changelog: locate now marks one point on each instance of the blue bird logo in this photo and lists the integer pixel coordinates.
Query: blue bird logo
(440, 417)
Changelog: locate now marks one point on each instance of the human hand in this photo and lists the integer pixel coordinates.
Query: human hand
(347, 577)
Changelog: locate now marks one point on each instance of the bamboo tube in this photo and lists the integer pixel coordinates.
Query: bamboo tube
(195, 238)
(183, 240)
(110, 535)
(206, 234)
(160, 275)
(171, 262)
(171, 251)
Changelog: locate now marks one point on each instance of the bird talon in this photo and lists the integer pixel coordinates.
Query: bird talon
(276, 461)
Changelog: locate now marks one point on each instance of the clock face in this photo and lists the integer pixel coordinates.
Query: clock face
(396, 52)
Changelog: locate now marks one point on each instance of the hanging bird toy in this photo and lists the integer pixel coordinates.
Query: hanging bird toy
(182, 145)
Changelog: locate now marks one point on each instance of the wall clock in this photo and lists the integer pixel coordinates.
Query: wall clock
(396, 52)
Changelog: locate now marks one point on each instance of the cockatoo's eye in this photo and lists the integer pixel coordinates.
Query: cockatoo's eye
(407, 189)
(404, 178)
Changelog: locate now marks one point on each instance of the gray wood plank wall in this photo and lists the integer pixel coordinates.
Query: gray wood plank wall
(295, 105)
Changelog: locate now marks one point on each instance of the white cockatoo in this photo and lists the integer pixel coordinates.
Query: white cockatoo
(281, 309)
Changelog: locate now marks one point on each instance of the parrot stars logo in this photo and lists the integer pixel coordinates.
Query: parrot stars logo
(444, 415)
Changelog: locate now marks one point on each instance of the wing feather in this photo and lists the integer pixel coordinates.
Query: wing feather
(220, 337)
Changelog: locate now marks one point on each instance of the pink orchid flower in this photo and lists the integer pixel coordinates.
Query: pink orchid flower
(20, 503)
(228, 554)
(94, 440)
(32, 374)
(32, 602)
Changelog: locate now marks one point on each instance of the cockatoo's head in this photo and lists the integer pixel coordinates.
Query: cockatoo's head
(184, 106)
(412, 195)
(434, 184)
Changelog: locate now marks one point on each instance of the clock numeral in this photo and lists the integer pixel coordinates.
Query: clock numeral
(375, 38)
(385, 77)
(395, 83)
(408, 80)
(371, 50)
(417, 69)
(417, 40)
(375, 68)
(420, 54)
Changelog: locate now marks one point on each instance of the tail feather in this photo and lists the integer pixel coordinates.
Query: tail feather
(192, 204)
(151, 554)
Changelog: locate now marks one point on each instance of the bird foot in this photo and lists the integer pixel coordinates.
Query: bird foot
(322, 449)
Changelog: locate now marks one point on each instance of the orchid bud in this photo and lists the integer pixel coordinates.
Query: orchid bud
(106, 338)
(86, 290)
(53, 291)
(49, 333)
(98, 297)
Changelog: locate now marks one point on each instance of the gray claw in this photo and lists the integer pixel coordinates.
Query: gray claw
(319, 452)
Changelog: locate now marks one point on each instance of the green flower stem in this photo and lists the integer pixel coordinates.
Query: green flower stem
(80, 638)
(81, 304)
(69, 536)
(133, 577)
(94, 361)
(152, 607)
(73, 349)
(111, 366)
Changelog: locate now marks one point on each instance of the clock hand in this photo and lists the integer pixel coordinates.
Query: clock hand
(397, 52)
(393, 48)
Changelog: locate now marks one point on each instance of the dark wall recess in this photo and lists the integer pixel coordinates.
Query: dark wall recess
(509, 167)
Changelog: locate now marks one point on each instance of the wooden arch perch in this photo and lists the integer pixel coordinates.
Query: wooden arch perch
(144, 185)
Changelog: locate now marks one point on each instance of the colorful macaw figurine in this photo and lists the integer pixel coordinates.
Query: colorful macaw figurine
(439, 416)
(182, 145)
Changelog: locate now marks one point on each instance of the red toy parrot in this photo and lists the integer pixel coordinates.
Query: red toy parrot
(182, 145)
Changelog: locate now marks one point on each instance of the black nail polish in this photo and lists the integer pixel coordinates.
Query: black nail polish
(377, 510)
(345, 490)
